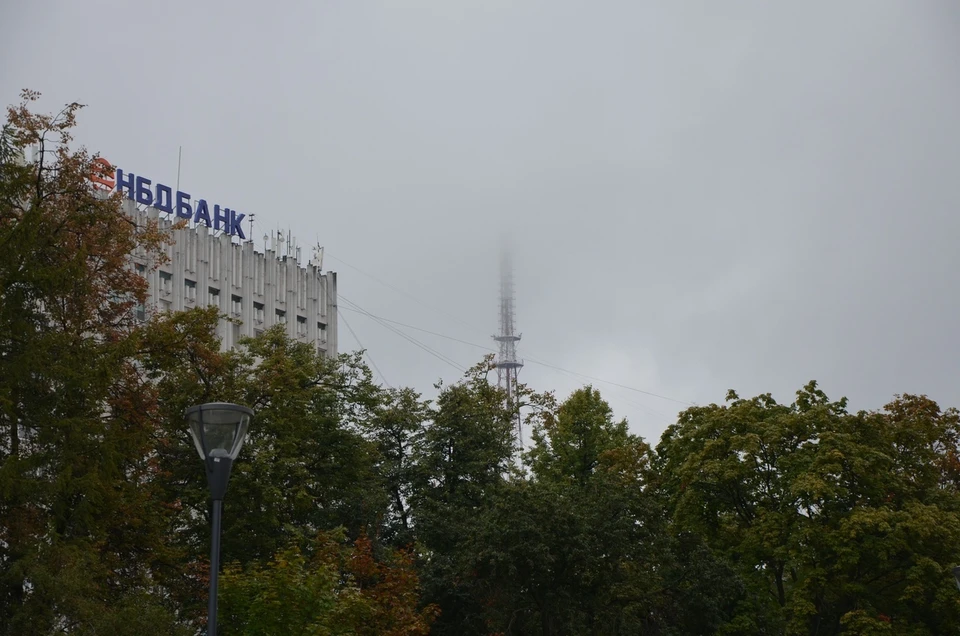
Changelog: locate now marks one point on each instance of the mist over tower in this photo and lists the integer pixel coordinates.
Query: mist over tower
(508, 366)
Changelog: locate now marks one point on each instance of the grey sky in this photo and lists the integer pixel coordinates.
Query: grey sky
(705, 195)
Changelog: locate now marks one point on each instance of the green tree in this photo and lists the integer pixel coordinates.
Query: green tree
(576, 542)
(308, 465)
(836, 522)
(582, 544)
(79, 537)
(331, 589)
(395, 426)
(305, 466)
(461, 458)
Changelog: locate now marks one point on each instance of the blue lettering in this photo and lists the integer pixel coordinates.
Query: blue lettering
(235, 220)
(164, 200)
(128, 183)
(184, 209)
(202, 213)
(144, 195)
(221, 220)
(138, 189)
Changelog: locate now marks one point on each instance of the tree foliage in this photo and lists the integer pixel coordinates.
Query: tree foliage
(80, 533)
(334, 589)
(835, 521)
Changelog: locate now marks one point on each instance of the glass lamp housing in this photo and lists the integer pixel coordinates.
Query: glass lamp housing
(218, 429)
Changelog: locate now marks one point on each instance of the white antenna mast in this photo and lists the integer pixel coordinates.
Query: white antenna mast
(179, 157)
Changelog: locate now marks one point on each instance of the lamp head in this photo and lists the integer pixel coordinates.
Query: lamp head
(218, 429)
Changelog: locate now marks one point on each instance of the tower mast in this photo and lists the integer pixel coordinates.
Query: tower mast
(507, 364)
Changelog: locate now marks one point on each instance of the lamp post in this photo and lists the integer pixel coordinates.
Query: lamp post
(218, 430)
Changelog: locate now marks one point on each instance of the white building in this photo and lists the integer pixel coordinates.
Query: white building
(260, 289)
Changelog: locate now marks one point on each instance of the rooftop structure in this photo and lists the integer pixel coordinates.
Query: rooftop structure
(260, 289)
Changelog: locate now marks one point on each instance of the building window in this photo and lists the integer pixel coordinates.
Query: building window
(213, 297)
(281, 317)
(190, 290)
(321, 332)
(236, 305)
(301, 326)
(258, 312)
(166, 283)
(140, 269)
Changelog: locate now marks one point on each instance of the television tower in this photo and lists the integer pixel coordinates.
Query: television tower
(507, 364)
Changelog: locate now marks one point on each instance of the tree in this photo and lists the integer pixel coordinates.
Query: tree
(395, 426)
(306, 467)
(103, 502)
(333, 589)
(78, 536)
(461, 459)
(576, 542)
(835, 521)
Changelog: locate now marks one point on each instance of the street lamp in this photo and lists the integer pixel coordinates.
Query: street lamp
(218, 430)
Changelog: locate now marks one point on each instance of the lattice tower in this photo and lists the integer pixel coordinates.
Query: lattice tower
(508, 366)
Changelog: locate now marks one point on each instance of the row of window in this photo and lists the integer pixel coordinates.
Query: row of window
(141, 315)
(213, 298)
(190, 292)
(190, 252)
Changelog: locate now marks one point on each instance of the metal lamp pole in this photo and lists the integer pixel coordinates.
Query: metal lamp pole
(218, 430)
(218, 473)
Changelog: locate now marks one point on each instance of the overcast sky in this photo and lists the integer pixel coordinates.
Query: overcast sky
(701, 195)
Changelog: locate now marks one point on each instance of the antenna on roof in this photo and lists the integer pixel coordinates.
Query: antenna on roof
(179, 157)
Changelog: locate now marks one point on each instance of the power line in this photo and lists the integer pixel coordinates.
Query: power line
(622, 386)
(406, 337)
(359, 309)
(432, 333)
(364, 349)
(475, 328)
(633, 403)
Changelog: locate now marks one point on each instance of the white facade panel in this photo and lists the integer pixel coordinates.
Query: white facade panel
(260, 289)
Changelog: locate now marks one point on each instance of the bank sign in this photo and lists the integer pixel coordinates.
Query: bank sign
(144, 191)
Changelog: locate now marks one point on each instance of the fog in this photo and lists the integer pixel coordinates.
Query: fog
(699, 195)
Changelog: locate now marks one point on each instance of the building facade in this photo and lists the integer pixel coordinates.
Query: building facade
(256, 289)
